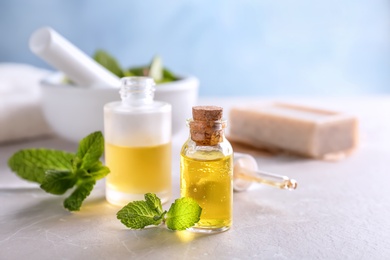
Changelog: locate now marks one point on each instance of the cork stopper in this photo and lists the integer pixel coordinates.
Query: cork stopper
(207, 113)
(207, 127)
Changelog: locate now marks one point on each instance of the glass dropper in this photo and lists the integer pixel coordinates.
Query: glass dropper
(246, 172)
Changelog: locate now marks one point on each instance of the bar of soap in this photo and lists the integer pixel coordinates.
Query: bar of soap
(302, 130)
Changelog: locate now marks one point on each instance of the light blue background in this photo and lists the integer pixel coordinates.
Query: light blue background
(269, 47)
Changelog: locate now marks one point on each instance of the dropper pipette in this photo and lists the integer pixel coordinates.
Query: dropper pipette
(245, 173)
(278, 181)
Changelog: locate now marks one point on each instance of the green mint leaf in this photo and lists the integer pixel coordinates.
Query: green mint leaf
(31, 164)
(168, 76)
(74, 201)
(98, 171)
(138, 214)
(58, 182)
(138, 71)
(183, 213)
(76, 163)
(128, 73)
(82, 174)
(154, 202)
(109, 62)
(156, 69)
(90, 150)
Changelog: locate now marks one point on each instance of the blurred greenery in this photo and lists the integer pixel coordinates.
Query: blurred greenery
(155, 69)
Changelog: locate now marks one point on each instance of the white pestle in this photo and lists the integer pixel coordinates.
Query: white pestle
(64, 56)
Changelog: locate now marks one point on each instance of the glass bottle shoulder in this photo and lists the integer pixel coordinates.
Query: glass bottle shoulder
(204, 152)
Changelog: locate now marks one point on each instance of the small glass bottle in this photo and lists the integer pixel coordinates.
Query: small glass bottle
(137, 143)
(206, 169)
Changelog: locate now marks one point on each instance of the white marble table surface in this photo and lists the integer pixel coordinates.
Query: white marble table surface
(341, 210)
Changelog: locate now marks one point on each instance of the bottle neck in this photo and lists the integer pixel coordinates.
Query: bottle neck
(137, 91)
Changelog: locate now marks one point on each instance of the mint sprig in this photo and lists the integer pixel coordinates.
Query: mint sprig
(59, 171)
(183, 213)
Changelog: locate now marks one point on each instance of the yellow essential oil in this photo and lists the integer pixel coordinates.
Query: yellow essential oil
(206, 169)
(209, 181)
(136, 171)
(138, 134)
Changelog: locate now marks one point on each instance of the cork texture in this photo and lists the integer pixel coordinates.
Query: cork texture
(207, 113)
(206, 127)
